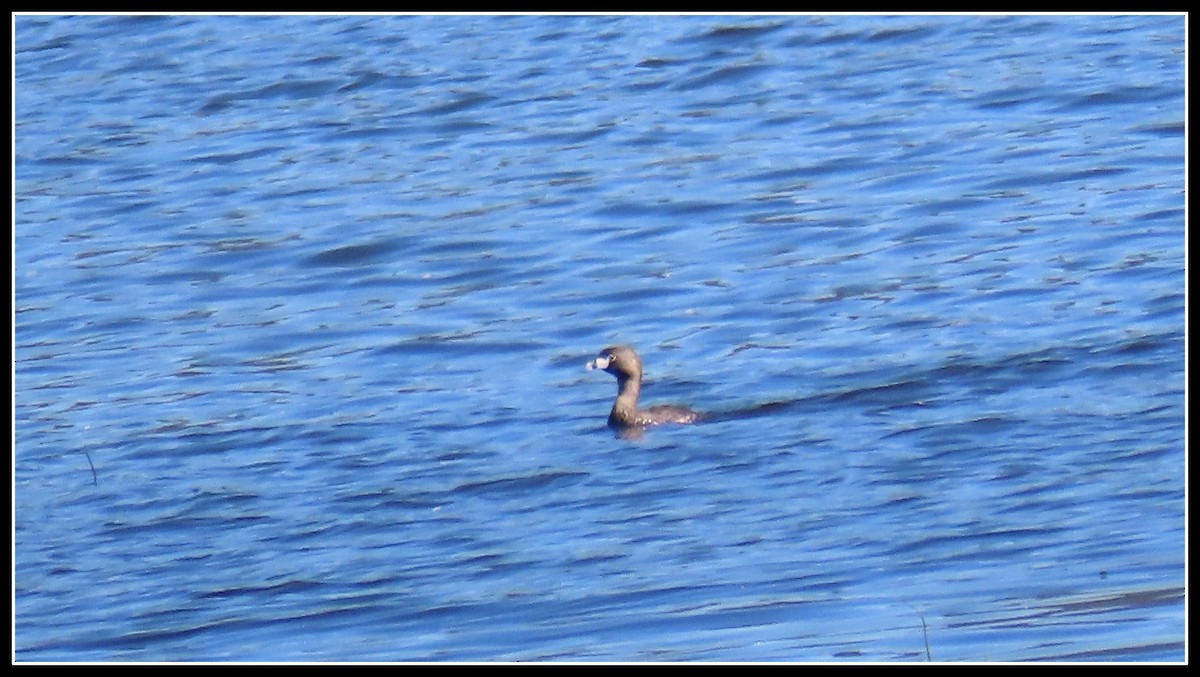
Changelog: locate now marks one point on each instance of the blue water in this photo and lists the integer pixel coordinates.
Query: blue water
(313, 295)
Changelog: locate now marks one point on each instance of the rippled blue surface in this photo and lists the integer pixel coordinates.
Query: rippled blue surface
(314, 294)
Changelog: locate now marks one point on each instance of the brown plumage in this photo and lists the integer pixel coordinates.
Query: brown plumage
(624, 363)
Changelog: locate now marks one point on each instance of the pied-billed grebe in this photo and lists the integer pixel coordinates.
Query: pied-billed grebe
(624, 363)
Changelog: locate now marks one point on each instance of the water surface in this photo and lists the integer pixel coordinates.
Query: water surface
(314, 295)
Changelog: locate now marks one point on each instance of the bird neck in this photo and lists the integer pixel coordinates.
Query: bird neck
(627, 397)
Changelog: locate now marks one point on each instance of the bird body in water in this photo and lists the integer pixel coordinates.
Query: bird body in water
(624, 363)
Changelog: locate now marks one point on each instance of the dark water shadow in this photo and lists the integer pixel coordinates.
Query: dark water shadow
(754, 411)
